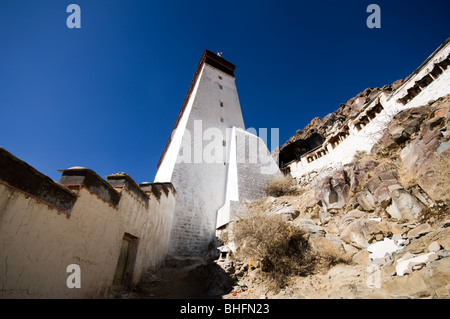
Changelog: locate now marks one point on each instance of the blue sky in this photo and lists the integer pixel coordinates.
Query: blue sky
(106, 96)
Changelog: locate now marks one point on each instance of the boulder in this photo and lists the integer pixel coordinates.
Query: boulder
(388, 175)
(443, 147)
(366, 200)
(395, 229)
(357, 171)
(362, 258)
(419, 158)
(349, 217)
(329, 248)
(405, 287)
(388, 142)
(287, 213)
(382, 249)
(405, 266)
(333, 191)
(442, 112)
(445, 239)
(307, 226)
(419, 231)
(434, 247)
(404, 205)
(360, 232)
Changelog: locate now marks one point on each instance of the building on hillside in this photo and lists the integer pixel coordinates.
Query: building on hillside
(430, 81)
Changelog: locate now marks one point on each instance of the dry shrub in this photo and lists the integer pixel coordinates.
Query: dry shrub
(281, 249)
(284, 185)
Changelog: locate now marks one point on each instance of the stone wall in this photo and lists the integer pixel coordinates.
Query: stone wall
(85, 221)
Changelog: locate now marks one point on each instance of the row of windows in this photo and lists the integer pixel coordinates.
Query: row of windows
(224, 143)
(438, 69)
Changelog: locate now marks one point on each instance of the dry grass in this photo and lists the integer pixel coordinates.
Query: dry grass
(280, 186)
(441, 168)
(359, 155)
(406, 179)
(280, 248)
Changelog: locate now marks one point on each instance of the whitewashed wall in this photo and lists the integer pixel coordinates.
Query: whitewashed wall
(38, 243)
(200, 182)
(250, 168)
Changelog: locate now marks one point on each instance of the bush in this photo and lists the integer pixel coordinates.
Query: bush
(281, 249)
(280, 186)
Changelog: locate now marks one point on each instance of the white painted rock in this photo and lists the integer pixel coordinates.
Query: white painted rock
(405, 266)
(382, 248)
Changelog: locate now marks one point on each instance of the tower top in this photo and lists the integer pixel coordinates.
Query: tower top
(216, 60)
(213, 60)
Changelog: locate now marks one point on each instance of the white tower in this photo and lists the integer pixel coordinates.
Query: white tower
(196, 158)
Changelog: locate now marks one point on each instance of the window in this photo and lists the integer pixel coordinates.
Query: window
(221, 119)
(220, 87)
(220, 78)
(224, 143)
(221, 103)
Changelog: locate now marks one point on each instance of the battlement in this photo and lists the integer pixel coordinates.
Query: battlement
(17, 174)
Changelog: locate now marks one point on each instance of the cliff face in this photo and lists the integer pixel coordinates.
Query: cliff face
(319, 128)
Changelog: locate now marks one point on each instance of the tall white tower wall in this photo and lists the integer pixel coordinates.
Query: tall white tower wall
(195, 159)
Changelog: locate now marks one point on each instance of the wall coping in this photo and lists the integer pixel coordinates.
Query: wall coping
(80, 176)
(20, 175)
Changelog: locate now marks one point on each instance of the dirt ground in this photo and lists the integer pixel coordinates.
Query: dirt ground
(205, 281)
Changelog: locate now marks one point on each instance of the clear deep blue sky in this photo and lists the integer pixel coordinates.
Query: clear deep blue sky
(106, 96)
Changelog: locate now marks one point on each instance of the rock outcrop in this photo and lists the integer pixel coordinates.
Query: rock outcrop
(382, 221)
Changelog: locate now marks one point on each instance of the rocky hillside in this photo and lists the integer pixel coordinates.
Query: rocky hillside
(375, 228)
(378, 227)
(319, 128)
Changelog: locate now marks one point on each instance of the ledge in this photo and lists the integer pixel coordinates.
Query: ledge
(125, 181)
(158, 188)
(18, 174)
(85, 177)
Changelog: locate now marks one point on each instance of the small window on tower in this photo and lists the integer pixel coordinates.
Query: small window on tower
(220, 87)
(221, 103)
(220, 78)
(221, 119)
(224, 143)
